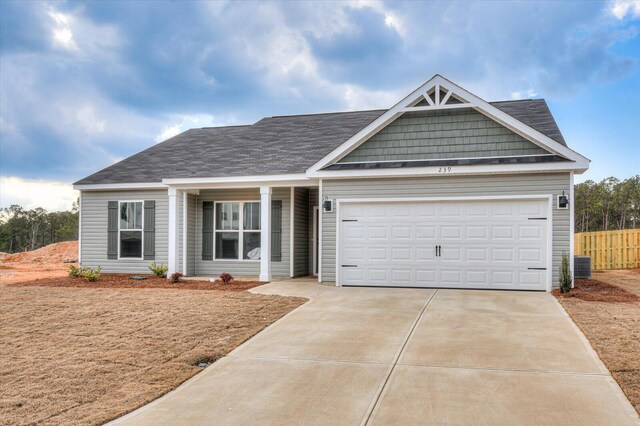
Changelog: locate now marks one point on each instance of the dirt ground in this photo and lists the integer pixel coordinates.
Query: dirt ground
(607, 309)
(78, 356)
(49, 261)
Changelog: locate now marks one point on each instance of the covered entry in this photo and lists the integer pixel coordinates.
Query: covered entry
(486, 243)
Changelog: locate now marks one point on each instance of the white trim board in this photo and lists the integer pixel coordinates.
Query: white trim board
(471, 101)
(548, 198)
(122, 186)
(448, 170)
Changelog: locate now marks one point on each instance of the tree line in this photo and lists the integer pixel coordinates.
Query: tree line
(22, 229)
(608, 205)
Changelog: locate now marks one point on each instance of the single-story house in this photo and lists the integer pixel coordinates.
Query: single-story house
(443, 189)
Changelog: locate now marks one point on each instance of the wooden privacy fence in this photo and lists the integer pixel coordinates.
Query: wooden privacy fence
(610, 249)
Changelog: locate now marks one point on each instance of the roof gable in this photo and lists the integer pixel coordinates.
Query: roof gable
(437, 93)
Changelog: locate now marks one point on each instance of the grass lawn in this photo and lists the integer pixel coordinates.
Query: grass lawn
(78, 355)
(607, 309)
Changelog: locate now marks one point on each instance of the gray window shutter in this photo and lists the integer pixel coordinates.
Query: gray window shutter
(149, 230)
(207, 230)
(112, 230)
(276, 231)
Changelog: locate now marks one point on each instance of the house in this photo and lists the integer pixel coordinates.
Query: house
(443, 189)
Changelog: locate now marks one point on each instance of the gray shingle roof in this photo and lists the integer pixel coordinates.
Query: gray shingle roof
(273, 145)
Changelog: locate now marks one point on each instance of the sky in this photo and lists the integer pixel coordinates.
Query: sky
(86, 84)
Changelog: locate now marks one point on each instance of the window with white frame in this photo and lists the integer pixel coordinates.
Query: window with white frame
(130, 229)
(237, 230)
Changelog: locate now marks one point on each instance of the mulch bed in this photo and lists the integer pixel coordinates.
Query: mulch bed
(125, 281)
(597, 291)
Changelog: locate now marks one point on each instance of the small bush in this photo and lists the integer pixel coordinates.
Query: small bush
(75, 271)
(175, 277)
(158, 270)
(565, 275)
(91, 274)
(226, 278)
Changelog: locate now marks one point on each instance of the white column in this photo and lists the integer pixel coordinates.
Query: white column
(265, 234)
(173, 232)
(185, 234)
(572, 229)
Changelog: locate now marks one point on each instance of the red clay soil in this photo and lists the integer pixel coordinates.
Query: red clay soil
(46, 262)
(125, 281)
(64, 252)
(593, 290)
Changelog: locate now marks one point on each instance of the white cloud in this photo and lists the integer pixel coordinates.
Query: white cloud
(361, 99)
(621, 8)
(61, 32)
(186, 122)
(390, 18)
(168, 132)
(52, 196)
(524, 94)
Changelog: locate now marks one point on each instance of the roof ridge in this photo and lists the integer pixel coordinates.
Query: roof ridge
(326, 113)
(225, 127)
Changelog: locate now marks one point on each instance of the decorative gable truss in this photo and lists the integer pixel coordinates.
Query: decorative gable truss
(440, 94)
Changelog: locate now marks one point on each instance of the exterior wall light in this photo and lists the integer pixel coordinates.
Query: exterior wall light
(327, 205)
(563, 201)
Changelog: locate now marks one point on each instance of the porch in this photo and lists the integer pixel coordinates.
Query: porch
(265, 232)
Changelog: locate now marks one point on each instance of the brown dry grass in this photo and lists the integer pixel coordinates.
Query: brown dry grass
(85, 356)
(610, 318)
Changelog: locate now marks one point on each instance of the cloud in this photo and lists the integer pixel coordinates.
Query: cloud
(84, 84)
(52, 196)
(62, 34)
(621, 8)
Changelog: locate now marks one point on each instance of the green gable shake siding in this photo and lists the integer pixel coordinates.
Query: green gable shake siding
(447, 186)
(442, 134)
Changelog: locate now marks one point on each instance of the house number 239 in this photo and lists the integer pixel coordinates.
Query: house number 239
(444, 169)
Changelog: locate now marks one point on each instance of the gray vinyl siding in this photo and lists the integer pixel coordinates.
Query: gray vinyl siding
(463, 133)
(301, 232)
(191, 230)
(313, 202)
(449, 186)
(94, 230)
(242, 267)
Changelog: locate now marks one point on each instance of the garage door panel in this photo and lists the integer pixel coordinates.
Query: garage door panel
(426, 232)
(402, 254)
(378, 232)
(483, 244)
(450, 232)
(400, 232)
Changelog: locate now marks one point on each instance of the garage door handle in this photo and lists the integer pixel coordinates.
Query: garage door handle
(438, 251)
(349, 220)
(537, 218)
(538, 269)
(349, 266)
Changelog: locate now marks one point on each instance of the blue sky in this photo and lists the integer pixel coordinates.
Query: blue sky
(85, 84)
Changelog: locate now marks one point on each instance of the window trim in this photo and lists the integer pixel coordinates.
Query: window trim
(240, 230)
(141, 230)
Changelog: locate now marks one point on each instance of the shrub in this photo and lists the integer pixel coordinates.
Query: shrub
(158, 270)
(565, 275)
(75, 271)
(91, 274)
(226, 278)
(175, 277)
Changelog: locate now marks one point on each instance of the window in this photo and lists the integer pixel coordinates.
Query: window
(237, 230)
(130, 229)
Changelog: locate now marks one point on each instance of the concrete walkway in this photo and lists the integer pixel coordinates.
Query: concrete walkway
(403, 356)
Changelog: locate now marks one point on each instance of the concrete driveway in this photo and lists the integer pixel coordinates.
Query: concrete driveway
(403, 356)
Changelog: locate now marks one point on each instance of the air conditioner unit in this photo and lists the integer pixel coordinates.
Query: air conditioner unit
(582, 266)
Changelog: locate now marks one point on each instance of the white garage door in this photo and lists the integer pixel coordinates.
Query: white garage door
(492, 244)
